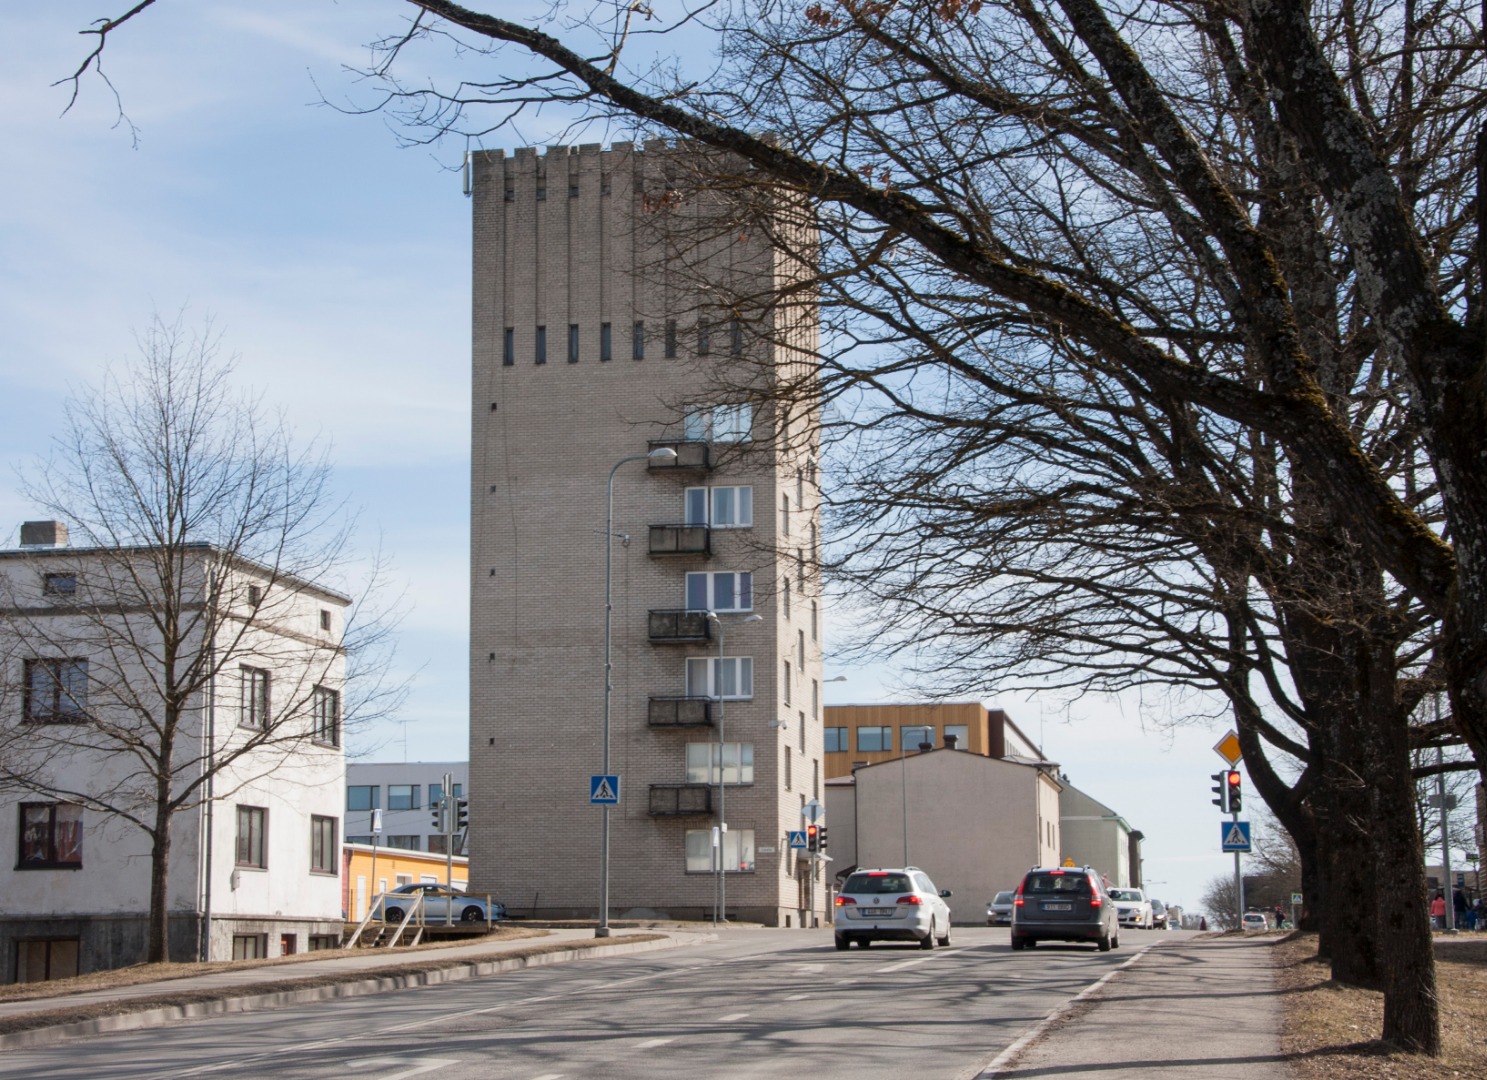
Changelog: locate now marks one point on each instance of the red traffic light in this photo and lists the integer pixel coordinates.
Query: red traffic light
(1233, 778)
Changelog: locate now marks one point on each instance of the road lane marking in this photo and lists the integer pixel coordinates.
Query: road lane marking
(731, 1018)
(550, 1076)
(648, 1043)
(797, 997)
(420, 1065)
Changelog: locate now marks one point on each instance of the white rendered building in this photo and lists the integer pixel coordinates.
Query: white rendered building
(406, 793)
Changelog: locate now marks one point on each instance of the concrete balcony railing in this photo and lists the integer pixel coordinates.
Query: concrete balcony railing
(681, 540)
(678, 627)
(680, 800)
(690, 456)
(680, 712)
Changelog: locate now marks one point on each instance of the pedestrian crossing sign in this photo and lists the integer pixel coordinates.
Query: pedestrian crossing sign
(1235, 835)
(604, 790)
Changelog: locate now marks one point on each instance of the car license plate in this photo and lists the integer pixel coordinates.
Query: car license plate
(1058, 907)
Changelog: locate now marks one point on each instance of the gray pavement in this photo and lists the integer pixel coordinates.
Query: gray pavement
(1205, 1008)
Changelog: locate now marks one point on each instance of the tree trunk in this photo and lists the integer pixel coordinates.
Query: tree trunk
(157, 949)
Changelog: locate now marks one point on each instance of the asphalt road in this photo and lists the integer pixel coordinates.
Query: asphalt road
(756, 1003)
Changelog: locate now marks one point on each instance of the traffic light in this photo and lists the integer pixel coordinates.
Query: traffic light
(1221, 791)
(813, 838)
(461, 814)
(821, 838)
(1236, 797)
(438, 819)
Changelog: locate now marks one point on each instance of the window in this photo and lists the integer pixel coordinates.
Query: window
(800, 649)
(249, 946)
(786, 595)
(250, 848)
(402, 796)
(436, 793)
(362, 797)
(913, 735)
(325, 705)
(255, 699)
(670, 339)
(606, 342)
(360, 840)
(719, 423)
(56, 690)
(407, 843)
(704, 337)
(962, 735)
(874, 738)
(508, 347)
(40, 960)
(572, 343)
(738, 851)
(815, 618)
(784, 515)
(836, 740)
(323, 850)
(637, 341)
(815, 779)
(542, 194)
(730, 678)
(325, 619)
(438, 844)
(815, 700)
(255, 596)
(800, 569)
(702, 763)
(720, 592)
(799, 488)
(735, 337)
(787, 682)
(572, 191)
(322, 942)
(720, 507)
(51, 836)
(541, 345)
(787, 768)
(59, 584)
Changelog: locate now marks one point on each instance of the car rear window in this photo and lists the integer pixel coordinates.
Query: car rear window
(1076, 884)
(878, 883)
(1003, 898)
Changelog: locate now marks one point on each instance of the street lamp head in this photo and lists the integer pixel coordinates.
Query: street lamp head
(661, 455)
(836, 678)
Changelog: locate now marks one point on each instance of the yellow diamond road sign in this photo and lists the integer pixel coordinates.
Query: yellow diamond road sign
(1228, 749)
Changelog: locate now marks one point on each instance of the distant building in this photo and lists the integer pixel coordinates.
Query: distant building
(255, 859)
(406, 793)
(858, 735)
(975, 823)
(1095, 835)
(369, 871)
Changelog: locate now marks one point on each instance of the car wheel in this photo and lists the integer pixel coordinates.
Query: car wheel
(472, 914)
(842, 944)
(393, 914)
(1104, 942)
(1115, 941)
(1018, 944)
(945, 941)
(928, 940)
(863, 942)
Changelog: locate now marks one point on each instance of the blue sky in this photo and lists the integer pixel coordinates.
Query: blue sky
(336, 263)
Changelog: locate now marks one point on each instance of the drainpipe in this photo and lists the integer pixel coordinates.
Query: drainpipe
(204, 950)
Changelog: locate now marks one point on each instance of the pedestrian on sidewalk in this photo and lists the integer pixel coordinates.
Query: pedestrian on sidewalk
(1438, 912)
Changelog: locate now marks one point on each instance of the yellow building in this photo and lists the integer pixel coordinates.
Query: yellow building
(365, 877)
(867, 734)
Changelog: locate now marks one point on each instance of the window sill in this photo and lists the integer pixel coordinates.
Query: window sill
(328, 745)
(712, 873)
(49, 866)
(249, 866)
(324, 873)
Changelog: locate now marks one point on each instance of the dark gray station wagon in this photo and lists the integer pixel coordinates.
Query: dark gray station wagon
(1064, 903)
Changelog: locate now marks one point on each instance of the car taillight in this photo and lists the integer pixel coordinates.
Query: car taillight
(1017, 900)
(842, 900)
(1094, 901)
(908, 900)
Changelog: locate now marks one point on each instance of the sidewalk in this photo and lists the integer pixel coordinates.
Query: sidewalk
(42, 1021)
(1202, 1009)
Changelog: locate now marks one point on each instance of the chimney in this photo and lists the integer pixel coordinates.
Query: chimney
(952, 741)
(43, 534)
(926, 747)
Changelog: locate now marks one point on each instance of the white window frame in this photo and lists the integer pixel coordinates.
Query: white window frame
(738, 851)
(705, 677)
(742, 590)
(719, 423)
(255, 705)
(737, 763)
(742, 497)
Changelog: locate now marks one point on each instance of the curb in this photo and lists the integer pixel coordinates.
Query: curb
(161, 1015)
(1003, 1061)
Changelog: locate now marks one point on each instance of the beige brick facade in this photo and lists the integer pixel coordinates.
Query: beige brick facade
(579, 237)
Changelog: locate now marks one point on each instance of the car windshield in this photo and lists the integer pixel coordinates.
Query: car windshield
(1003, 898)
(1056, 883)
(878, 883)
(1125, 894)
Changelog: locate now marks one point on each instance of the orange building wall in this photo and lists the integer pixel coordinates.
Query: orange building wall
(395, 866)
(972, 715)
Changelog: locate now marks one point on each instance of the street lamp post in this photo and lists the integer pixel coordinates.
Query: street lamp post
(660, 455)
(720, 887)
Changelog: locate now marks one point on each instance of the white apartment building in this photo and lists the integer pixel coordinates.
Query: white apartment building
(406, 793)
(255, 853)
(606, 327)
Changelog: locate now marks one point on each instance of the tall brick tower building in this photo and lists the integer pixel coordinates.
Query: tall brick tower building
(607, 326)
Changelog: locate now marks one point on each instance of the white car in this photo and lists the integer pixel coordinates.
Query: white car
(1255, 920)
(891, 905)
(1132, 908)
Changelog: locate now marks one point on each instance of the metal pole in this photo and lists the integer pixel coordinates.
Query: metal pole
(1448, 888)
(1238, 879)
(721, 912)
(903, 790)
(602, 929)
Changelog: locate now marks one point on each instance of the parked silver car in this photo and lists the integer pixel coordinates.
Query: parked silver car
(891, 905)
(437, 900)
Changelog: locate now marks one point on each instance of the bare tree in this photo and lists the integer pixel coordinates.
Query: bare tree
(188, 642)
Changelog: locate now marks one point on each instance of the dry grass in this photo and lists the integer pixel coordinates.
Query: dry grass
(415, 967)
(1332, 1031)
(146, 973)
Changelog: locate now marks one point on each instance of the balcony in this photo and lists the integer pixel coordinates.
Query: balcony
(678, 627)
(690, 456)
(681, 540)
(680, 712)
(680, 800)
